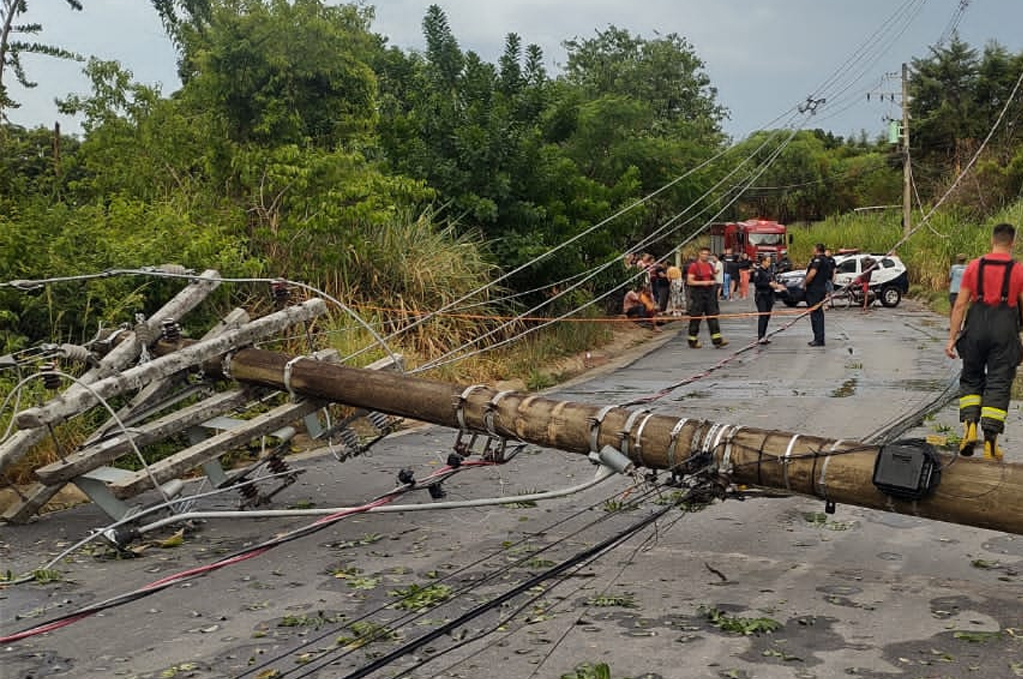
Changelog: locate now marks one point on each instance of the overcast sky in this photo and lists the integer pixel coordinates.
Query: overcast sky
(763, 56)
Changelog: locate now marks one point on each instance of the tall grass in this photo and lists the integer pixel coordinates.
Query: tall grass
(412, 266)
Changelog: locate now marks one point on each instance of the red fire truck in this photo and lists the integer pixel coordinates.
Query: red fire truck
(755, 237)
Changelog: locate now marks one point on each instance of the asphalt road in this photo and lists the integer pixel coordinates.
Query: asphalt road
(858, 593)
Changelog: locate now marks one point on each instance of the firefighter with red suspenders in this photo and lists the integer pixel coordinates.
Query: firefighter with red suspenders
(990, 300)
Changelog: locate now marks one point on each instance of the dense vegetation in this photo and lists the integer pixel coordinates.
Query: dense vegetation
(302, 145)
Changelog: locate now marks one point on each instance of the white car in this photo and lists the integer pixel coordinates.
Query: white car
(888, 279)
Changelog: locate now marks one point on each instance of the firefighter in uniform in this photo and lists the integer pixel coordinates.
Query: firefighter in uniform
(703, 300)
(990, 299)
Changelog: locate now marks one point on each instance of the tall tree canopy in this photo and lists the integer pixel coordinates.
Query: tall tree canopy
(957, 94)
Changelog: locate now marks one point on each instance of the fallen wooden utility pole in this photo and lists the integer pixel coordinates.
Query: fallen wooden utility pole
(972, 492)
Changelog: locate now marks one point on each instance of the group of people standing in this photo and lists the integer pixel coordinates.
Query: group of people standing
(984, 329)
(697, 287)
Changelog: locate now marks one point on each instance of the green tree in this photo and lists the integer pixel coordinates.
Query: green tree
(12, 48)
(943, 102)
(173, 13)
(646, 104)
(663, 72)
(35, 162)
(279, 72)
(957, 96)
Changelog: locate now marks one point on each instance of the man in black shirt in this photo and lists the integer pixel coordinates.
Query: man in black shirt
(730, 260)
(818, 273)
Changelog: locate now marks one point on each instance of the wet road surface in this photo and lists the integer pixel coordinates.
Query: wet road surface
(858, 593)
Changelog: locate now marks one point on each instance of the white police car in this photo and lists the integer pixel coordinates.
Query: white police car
(888, 279)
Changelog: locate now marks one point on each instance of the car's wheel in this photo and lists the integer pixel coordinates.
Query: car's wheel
(890, 297)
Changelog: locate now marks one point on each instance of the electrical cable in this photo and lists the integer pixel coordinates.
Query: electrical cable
(932, 211)
(621, 571)
(489, 577)
(953, 23)
(656, 236)
(573, 239)
(510, 617)
(242, 555)
(602, 475)
(191, 277)
(102, 401)
(449, 357)
(927, 217)
(134, 517)
(905, 13)
(449, 626)
(332, 655)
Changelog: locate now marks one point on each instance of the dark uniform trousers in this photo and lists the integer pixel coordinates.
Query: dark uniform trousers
(814, 297)
(703, 302)
(765, 302)
(990, 348)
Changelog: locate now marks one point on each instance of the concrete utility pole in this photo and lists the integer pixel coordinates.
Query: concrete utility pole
(907, 171)
(972, 492)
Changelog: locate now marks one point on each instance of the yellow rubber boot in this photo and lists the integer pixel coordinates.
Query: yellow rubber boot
(992, 451)
(969, 439)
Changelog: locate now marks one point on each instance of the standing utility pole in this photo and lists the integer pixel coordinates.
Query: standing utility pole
(907, 173)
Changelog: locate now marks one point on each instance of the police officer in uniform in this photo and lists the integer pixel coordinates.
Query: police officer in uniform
(703, 300)
(990, 298)
(764, 286)
(818, 273)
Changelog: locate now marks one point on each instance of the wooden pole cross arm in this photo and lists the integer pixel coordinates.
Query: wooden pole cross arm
(19, 443)
(192, 355)
(972, 492)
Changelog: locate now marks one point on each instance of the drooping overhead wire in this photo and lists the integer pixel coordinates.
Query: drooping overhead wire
(875, 45)
(953, 22)
(850, 72)
(564, 244)
(662, 232)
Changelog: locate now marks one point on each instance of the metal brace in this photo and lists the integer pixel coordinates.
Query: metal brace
(490, 408)
(726, 458)
(287, 375)
(624, 435)
(460, 406)
(673, 443)
(637, 445)
(461, 447)
(822, 482)
(786, 460)
(494, 448)
(595, 423)
(225, 364)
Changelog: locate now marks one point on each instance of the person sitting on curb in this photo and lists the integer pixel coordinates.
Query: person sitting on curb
(639, 305)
